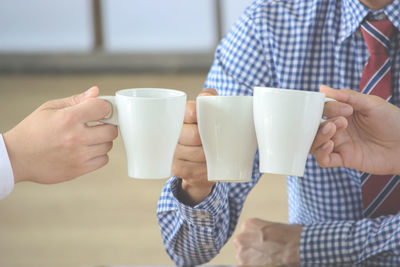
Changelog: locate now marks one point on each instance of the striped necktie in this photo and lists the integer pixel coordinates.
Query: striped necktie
(380, 193)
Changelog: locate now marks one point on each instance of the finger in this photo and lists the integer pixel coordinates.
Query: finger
(324, 134)
(322, 153)
(92, 109)
(325, 156)
(243, 244)
(254, 223)
(208, 91)
(242, 247)
(340, 123)
(327, 130)
(190, 171)
(336, 94)
(72, 100)
(250, 257)
(99, 150)
(248, 239)
(100, 134)
(358, 101)
(190, 153)
(242, 256)
(190, 112)
(95, 163)
(335, 109)
(190, 135)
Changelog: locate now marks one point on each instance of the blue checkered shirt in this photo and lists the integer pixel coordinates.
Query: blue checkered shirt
(298, 45)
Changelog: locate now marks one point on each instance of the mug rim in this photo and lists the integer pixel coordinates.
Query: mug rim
(170, 93)
(224, 96)
(262, 89)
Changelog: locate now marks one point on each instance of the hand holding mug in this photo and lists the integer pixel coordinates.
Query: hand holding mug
(55, 144)
(189, 160)
(368, 137)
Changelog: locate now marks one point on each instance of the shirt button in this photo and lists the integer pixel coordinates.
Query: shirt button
(202, 216)
(215, 203)
(208, 246)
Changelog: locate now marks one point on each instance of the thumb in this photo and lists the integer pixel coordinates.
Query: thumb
(254, 223)
(73, 100)
(208, 91)
(357, 100)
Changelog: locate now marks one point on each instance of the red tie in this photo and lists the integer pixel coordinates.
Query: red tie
(380, 193)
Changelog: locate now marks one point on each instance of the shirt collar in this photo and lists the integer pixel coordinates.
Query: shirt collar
(392, 11)
(353, 13)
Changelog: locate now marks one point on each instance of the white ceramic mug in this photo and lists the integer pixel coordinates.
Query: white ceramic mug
(286, 123)
(150, 121)
(228, 137)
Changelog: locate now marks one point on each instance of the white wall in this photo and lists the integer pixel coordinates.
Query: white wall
(45, 25)
(129, 25)
(159, 25)
(231, 10)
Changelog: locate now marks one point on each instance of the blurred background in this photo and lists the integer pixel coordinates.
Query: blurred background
(53, 49)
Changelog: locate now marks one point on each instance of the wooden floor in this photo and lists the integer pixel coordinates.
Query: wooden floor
(105, 217)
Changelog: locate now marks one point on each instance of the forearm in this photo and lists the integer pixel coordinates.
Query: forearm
(209, 234)
(192, 195)
(374, 242)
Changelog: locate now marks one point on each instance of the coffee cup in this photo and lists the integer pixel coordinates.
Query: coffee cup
(286, 122)
(228, 137)
(150, 121)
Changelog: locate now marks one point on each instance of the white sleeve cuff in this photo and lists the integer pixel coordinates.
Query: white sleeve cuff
(6, 173)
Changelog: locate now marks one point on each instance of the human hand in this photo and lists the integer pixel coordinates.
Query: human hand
(55, 144)
(266, 243)
(189, 160)
(370, 140)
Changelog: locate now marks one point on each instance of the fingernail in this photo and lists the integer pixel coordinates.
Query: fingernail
(326, 128)
(347, 110)
(339, 122)
(325, 146)
(90, 91)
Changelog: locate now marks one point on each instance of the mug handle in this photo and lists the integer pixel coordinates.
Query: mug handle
(327, 99)
(112, 118)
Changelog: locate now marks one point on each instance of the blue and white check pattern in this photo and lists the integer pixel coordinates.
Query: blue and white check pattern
(297, 45)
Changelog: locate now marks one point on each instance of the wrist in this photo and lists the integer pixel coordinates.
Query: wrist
(293, 249)
(193, 194)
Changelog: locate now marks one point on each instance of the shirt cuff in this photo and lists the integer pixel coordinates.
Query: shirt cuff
(6, 173)
(327, 243)
(203, 215)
